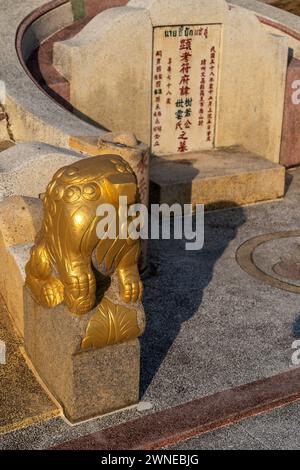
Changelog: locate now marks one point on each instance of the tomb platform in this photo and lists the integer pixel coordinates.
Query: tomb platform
(218, 178)
(217, 350)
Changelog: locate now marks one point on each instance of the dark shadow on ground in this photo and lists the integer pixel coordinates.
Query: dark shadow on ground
(288, 182)
(296, 327)
(176, 283)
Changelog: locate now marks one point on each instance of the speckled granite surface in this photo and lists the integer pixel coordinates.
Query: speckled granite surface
(22, 399)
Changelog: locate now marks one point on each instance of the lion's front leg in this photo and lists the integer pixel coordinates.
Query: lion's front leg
(79, 287)
(46, 289)
(131, 287)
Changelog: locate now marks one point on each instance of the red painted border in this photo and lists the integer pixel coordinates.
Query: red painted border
(43, 73)
(168, 427)
(280, 27)
(24, 25)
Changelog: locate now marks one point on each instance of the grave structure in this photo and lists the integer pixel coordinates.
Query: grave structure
(188, 81)
(129, 71)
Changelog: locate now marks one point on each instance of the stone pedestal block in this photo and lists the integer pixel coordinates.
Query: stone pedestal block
(87, 382)
(20, 220)
(218, 179)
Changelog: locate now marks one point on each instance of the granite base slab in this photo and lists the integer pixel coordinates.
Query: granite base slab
(86, 383)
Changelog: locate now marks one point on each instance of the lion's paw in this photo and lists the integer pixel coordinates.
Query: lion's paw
(52, 293)
(131, 287)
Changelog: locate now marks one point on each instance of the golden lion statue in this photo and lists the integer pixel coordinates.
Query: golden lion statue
(60, 265)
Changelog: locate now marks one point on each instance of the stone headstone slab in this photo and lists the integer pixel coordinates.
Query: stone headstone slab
(244, 109)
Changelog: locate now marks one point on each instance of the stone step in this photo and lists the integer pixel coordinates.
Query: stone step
(218, 179)
(26, 168)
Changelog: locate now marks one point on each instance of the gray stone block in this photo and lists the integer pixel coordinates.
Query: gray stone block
(86, 383)
(20, 220)
(27, 168)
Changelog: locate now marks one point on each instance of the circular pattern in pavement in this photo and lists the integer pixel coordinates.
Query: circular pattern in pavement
(273, 259)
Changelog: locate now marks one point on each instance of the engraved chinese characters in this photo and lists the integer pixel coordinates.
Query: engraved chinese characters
(185, 81)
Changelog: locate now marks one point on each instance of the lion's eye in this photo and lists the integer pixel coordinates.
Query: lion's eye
(91, 192)
(72, 194)
(57, 192)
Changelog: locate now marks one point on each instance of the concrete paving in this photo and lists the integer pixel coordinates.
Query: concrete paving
(223, 327)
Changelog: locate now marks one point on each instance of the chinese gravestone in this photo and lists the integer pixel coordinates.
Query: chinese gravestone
(242, 108)
(185, 79)
(189, 79)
